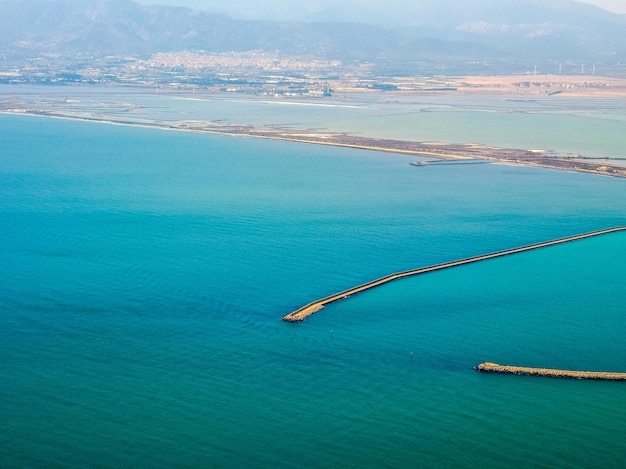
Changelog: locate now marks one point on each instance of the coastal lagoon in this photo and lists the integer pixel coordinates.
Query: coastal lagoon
(146, 273)
(590, 126)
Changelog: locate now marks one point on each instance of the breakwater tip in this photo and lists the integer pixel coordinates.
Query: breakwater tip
(301, 314)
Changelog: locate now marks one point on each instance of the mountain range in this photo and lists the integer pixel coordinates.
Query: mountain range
(530, 31)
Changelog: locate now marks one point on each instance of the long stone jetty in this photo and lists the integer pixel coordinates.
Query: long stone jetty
(487, 367)
(307, 310)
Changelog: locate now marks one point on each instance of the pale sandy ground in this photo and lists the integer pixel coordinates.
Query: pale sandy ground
(529, 85)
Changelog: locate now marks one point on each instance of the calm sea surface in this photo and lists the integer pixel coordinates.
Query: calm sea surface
(145, 273)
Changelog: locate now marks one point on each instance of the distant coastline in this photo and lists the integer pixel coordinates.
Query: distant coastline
(437, 150)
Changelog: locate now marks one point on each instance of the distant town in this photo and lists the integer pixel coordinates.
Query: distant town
(273, 74)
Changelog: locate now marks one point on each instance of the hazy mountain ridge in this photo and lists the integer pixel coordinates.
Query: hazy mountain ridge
(483, 29)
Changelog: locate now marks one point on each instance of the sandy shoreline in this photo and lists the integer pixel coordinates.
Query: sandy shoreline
(437, 150)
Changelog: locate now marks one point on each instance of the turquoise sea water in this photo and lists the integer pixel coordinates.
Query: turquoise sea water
(145, 273)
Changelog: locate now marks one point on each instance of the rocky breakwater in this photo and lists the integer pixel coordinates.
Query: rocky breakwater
(487, 367)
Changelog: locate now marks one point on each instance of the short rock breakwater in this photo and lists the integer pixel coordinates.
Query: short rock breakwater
(487, 367)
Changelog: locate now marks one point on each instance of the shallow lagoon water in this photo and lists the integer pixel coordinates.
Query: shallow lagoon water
(146, 273)
(590, 126)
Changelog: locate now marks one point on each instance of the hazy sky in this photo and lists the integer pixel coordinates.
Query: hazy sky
(616, 6)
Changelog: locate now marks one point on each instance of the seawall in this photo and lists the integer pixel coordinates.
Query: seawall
(307, 310)
(487, 367)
